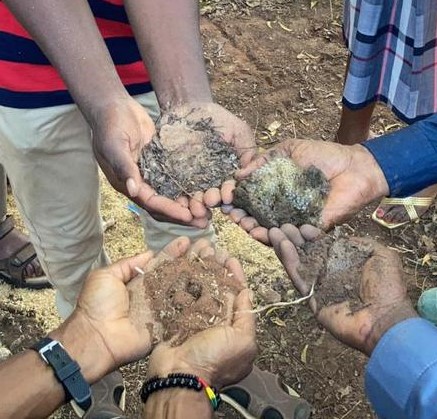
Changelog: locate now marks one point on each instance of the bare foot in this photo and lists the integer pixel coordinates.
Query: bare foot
(14, 241)
(394, 214)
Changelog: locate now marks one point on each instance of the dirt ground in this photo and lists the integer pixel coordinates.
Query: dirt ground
(279, 64)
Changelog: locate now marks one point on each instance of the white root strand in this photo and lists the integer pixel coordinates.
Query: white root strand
(283, 304)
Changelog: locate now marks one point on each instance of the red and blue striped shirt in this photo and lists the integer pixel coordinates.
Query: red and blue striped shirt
(28, 80)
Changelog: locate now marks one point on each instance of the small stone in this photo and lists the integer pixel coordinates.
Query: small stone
(280, 192)
(5, 353)
(268, 295)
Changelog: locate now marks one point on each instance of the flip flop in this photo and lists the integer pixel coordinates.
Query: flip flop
(108, 399)
(12, 268)
(410, 203)
(262, 395)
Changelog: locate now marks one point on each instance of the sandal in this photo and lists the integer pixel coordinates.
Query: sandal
(410, 203)
(12, 269)
(262, 395)
(108, 398)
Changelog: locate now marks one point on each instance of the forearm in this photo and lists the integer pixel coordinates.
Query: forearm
(67, 33)
(168, 36)
(404, 385)
(176, 404)
(28, 386)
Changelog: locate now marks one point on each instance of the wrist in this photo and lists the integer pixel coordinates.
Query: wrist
(98, 112)
(85, 345)
(177, 402)
(385, 321)
(163, 367)
(370, 171)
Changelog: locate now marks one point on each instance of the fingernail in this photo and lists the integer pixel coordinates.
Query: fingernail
(227, 208)
(132, 187)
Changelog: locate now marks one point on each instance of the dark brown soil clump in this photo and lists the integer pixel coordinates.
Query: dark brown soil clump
(187, 156)
(335, 266)
(189, 295)
(281, 192)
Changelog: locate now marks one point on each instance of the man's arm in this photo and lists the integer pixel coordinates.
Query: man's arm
(168, 36)
(28, 387)
(67, 33)
(408, 157)
(401, 377)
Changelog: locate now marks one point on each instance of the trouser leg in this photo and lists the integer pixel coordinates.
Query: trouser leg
(48, 156)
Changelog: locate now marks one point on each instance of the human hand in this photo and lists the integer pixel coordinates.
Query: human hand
(101, 334)
(234, 131)
(221, 355)
(355, 179)
(382, 291)
(120, 132)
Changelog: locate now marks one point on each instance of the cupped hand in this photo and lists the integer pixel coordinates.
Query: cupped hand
(355, 179)
(120, 132)
(234, 131)
(382, 292)
(221, 355)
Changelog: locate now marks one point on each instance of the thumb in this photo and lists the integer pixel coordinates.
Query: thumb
(244, 319)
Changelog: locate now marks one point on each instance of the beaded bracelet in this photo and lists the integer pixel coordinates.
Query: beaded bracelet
(180, 380)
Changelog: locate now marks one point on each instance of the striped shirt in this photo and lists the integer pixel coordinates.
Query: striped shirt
(28, 80)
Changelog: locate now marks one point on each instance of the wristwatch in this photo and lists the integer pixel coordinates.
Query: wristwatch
(67, 371)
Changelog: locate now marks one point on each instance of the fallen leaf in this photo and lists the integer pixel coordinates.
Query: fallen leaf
(273, 127)
(303, 355)
(426, 259)
(278, 321)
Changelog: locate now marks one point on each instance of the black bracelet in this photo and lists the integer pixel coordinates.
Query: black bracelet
(181, 380)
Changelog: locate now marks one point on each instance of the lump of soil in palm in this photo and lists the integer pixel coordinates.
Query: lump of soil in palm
(189, 295)
(187, 156)
(281, 192)
(335, 266)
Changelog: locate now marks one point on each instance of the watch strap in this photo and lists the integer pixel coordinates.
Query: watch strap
(66, 370)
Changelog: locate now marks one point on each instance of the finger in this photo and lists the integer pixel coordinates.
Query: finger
(252, 166)
(248, 224)
(177, 248)
(200, 223)
(230, 300)
(293, 234)
(244, 318)
(226, 209)
(260, 234)
(197, 206)
(227, 192)
(127, 269)
(207, 252)
(237, 271)
(237, 214)
(183, 201)
(156, 204)
(212, 197)
(198, 246)
(310, 232)
(287, 254)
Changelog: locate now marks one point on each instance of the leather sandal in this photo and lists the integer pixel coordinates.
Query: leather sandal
(13, 268)
(108, 399)
(262, 395)
(409, 203)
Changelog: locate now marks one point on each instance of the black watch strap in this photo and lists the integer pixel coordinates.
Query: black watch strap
(66, 370)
